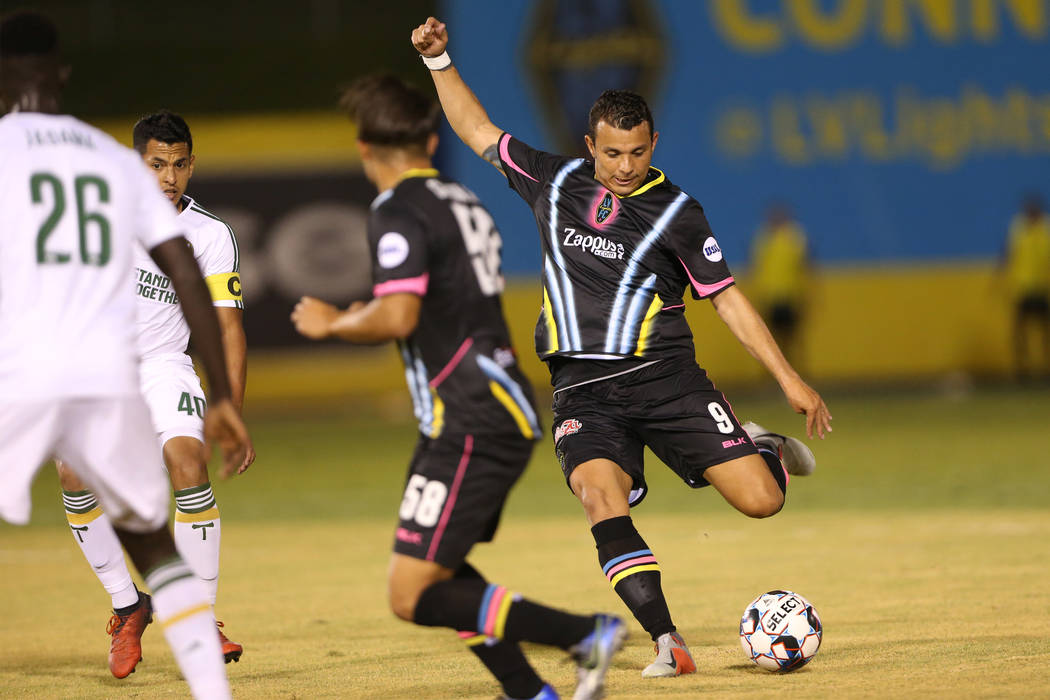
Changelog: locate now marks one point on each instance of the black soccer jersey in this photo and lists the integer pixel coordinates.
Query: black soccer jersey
(615, 269)
(432, 237)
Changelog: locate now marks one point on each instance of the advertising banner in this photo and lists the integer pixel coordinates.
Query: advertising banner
(298, 233)
(895, 130)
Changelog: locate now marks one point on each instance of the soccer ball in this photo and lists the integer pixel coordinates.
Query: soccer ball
(780, 631)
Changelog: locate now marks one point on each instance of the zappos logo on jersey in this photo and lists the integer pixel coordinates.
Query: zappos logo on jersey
(392, 250)
(595, 245)
(711, 250)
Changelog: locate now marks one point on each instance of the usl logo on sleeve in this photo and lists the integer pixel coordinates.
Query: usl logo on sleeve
(392, 250)
(711, 250)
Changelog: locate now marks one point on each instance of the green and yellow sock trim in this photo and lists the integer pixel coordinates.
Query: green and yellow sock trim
(81, 507)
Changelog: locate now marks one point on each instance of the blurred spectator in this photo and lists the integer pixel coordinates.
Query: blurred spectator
(780, 276)
(1026, 263)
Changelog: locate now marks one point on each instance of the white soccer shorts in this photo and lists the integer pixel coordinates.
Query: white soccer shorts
(173, 392)
(108, 442)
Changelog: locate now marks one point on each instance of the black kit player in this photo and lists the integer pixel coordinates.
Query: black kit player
(621, 245)
(437, 283)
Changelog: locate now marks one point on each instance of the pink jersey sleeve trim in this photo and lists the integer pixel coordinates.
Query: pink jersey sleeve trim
(412, 285)
(706, 290)
(504, 154)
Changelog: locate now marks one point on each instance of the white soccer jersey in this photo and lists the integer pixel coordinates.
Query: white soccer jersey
(162, 328)
(74, 203)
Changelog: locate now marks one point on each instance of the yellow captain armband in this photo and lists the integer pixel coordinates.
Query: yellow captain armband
(225, 287)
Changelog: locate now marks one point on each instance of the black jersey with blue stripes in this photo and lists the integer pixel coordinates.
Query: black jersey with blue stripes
(615, 269)
(432, 237)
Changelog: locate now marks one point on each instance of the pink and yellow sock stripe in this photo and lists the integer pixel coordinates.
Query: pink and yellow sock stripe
(619, 568)
(473, 639)
(492, 615)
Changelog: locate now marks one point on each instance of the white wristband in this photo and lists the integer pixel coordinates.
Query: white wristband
(440, 62)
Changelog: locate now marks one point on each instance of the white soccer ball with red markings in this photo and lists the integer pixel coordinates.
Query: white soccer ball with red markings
(780, 631)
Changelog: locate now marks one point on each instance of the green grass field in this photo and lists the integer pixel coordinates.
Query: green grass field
(921, 540)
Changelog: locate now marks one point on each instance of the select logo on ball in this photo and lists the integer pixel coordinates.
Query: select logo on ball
(780, 631)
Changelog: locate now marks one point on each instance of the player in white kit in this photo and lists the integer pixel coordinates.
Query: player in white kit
(173, 393)
(75, 202)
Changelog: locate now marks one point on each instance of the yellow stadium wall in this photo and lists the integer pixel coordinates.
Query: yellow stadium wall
(865, 324)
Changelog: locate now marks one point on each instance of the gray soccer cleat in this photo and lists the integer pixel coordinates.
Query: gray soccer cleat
(594, 653)
(672, 658)
(797, 458)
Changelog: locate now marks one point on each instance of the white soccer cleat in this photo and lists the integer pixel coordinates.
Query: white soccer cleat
(672, 658)
(797, 458)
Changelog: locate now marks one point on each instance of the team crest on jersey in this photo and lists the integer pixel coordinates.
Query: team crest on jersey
(605, 208)
(568, 427)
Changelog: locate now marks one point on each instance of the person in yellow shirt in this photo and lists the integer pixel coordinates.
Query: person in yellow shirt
(1027, 270)
(780, 275)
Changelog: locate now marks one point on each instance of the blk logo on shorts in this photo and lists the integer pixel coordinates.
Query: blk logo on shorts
(409, 536)
(569, 427)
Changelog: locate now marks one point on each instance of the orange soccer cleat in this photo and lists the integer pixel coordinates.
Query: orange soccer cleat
(231, 651)
(125, 649)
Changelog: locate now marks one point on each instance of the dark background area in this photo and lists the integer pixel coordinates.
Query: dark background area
(130, 56)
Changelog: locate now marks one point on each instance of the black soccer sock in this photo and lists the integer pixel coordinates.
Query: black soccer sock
(776, 468)
(472, 604)
(503, 659)
(632, 570)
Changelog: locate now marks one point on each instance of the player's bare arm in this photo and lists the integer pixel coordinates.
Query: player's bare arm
(745, 323)
(462, 108)
(235, 346)
(222, 421)
(391, 317)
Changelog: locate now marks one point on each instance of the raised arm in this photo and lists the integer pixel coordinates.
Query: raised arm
(462, 108)
(745, 323)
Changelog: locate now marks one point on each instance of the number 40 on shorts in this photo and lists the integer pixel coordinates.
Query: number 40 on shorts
(191, 405)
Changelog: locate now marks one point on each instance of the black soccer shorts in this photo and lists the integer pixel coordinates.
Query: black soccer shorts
(454, 494)
(671, 407)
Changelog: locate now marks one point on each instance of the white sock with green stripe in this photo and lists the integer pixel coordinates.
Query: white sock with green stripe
(181, 606)
(197, 534)
(95, 536)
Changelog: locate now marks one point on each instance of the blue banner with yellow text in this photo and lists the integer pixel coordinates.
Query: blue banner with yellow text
(895, 130)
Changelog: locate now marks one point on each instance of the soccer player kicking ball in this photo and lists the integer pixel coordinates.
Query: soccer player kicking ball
(436, 267)
(173, 393)
(621, 245)
(75, 204)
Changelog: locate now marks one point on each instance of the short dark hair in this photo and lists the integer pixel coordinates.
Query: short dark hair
(164, 126)
(620, 109)
(390, 112)
(27, 33)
